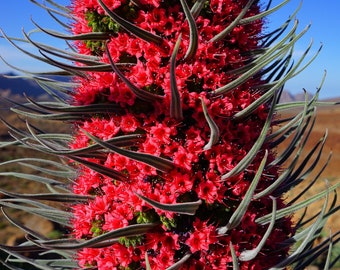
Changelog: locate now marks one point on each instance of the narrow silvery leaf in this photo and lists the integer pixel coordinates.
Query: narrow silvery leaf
(234, 257)
(64, 264)
(76, 57)
(175, 101)
(230, 27)
(193, 45)
(52, 214)
(147, 263)
(285, 130)
(197, 7)
(187, 208)
(293, 257)
(264, 13)
(329, 254)
(295, 207)
(22, 227)
(22, 259)
(256, 147)
(267, 58)
(158, 163)
(87, 36)
(298, 175)
(90, 108)
(214, 130)
(130, 230)
(137, 31)
(242, 208)
(109, 172)
(120, 141)
(59, 197)
(248, 255)
(64, 25)
(32, 177)
(62, 10)
(280, 83)
(178, 264)
(144, 95)
(61, 170)
(75, 69)
(270, 189)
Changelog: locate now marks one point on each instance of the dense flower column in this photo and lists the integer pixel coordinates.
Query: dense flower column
(178, 130)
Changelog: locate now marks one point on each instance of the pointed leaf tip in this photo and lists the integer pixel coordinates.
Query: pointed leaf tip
(175, 101)
(187, 208)
(248, 255)
(214, 130)
(128, 26)
(193, 45)
(237, 216)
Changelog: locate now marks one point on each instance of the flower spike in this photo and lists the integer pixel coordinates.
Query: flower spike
(166, 140)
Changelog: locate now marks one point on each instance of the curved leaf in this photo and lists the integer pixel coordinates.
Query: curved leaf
(137, 31)
(130, 230)
(178, 264)
(288, 210)
(248, 255)
(214, 130)
(193, 45)
(231, 27)
(175, 101)
(187, 208)
(249, 157)
(158, 163)
(238, 214)
(144, 95)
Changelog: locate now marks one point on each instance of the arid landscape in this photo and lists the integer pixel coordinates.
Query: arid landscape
(328, 118)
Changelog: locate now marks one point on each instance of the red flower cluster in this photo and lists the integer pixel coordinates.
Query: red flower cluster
(196, 174)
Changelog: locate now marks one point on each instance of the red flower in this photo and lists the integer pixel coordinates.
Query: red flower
(129, 123)
(207, 191)
(201, 237)
(182, 158)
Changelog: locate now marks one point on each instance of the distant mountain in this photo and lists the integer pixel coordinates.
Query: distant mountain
(18, 86)
(287, 96)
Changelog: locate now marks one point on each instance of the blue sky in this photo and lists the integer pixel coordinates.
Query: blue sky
(325, 27)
